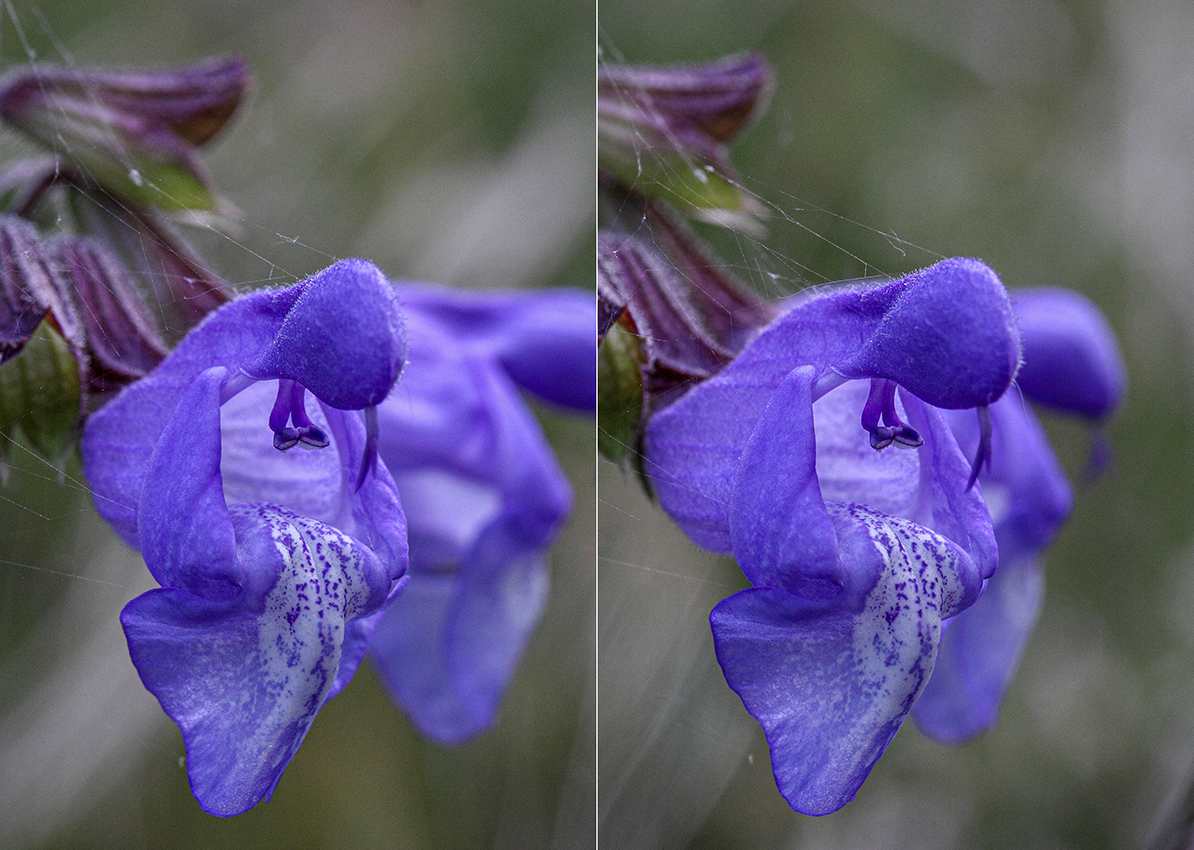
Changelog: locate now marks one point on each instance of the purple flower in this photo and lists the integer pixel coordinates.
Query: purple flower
(483, 495)
(1072, 364)
(273, 565)
(1071, 359)
(856, 556)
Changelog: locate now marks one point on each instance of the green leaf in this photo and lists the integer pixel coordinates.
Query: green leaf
(619, 395)
(39, 396)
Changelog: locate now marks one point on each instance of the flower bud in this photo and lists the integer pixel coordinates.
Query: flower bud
(664, 131)
(135, 133)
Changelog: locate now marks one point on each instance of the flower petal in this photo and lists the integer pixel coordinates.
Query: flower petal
(343, 339)
(546, 341)
(183, 524)
(781, 532)
(905, 331)
(980, 650)
(446, 648)
(1030, 500)
(244, 677)
(831, 686)
(948, 506)
(1071, 359)
(484, 499)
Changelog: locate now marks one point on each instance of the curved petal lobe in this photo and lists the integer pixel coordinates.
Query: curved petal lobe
(830, 686)
(244, 678)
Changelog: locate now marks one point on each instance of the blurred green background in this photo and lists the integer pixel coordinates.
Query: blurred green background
(445, 140)
(1054, 139)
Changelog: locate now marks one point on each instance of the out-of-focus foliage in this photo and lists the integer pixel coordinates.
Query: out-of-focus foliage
(445, 141)
(1052, 141)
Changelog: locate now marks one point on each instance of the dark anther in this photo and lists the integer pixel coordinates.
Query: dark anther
(290, 406)
(880, 404)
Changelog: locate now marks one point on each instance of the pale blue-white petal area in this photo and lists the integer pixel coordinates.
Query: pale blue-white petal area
(831, 686)
(1072, 361)
(244, 677)
(926, 484)
(484, 498)
(546, 341)
(308, 482)
(1030, 499)
(317, 484)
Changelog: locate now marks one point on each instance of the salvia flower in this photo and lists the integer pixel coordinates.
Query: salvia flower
(274, 564)
(1071, 364)
(856, 556)
(483, 495)
(135, 132)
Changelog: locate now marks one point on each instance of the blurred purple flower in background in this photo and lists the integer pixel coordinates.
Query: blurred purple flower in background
(1072, 365)
(274, 565)
(483, 494)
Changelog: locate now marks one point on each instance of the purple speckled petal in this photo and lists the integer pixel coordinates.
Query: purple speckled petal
(1071, 359)
(830, 686)
(244, 677)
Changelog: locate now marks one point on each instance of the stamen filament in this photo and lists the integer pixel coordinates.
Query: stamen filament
(369, 456)
(982, 455)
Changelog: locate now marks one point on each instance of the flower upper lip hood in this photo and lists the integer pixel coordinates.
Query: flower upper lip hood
(946, 333)
(274, 566)
(345, 362)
